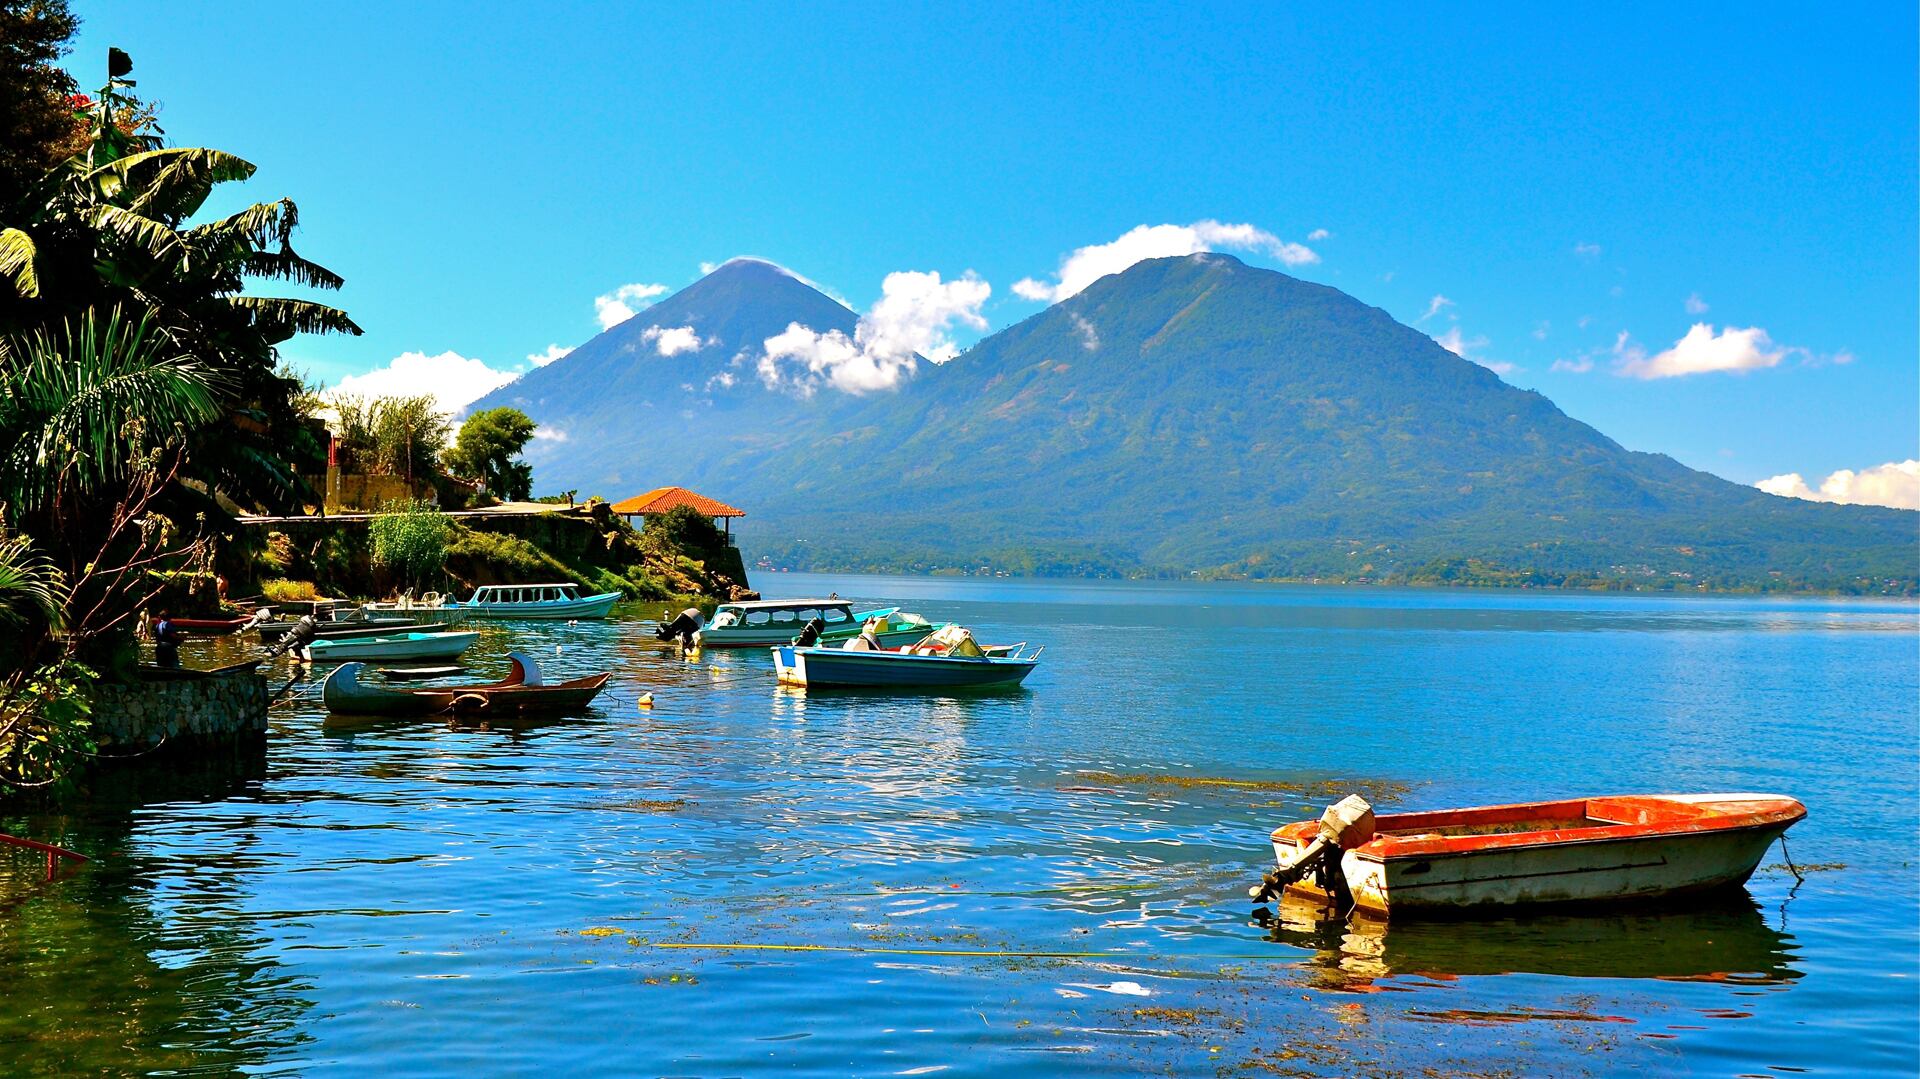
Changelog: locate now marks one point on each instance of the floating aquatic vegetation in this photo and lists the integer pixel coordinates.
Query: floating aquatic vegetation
(647, 805)
(1185, 1019)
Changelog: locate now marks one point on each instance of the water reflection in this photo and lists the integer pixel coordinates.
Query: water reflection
(130, 963)
(1727, 940)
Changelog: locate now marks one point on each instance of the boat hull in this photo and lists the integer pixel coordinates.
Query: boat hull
(815, 667)
(411, 646)
(1658, 856)
(519, 694)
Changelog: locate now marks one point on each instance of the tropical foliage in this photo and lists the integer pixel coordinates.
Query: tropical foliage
(36, 114)
(410, 540)
(487, 448)
(391, 436)
(140, 388)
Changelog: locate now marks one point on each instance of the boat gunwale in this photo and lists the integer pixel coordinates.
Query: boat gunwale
(1774, 812)
(895, 654)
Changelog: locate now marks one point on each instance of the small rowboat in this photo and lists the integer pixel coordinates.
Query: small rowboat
(522, 692)
(1591, 850)
(399, 646)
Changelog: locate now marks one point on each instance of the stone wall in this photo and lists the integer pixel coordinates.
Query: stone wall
(355, 492)
(188, 710)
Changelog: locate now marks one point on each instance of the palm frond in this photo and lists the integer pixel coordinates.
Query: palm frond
(154, 237)
(296, 316)
(17, 254)
(288, 266)
(264, 224)
(86, 404)
(171, 182)
(32, 591)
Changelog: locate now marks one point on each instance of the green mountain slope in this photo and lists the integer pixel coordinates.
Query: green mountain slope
(1196, 414)
(1233, 419)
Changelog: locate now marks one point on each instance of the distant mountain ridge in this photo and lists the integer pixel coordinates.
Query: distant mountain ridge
(1189, 414)
(617, 405)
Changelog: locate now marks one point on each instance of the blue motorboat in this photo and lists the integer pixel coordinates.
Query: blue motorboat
(950, 659)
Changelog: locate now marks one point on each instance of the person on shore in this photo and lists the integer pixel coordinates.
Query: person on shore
(166, 641)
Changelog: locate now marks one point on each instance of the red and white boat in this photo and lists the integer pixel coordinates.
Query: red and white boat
(1591, 850)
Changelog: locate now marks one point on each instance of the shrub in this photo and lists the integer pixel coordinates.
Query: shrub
(46, 726)
(410, 540)
(285, 591)
(492, 558)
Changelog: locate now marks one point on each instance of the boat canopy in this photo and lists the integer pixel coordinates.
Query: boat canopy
(525, 593)
(770, 612)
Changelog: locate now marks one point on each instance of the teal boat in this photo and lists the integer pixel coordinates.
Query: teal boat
(763, 623)
(948, 660)
(398, 646)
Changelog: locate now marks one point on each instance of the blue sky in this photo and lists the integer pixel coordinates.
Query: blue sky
(481, 174)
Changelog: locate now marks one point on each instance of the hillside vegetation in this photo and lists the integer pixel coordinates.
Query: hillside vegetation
(1196, 415)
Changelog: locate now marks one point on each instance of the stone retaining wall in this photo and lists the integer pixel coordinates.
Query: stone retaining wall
(196, 711)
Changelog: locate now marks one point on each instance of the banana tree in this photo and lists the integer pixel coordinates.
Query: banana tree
(115, 225)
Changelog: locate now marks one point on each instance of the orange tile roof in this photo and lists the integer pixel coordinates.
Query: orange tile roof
(662, 499)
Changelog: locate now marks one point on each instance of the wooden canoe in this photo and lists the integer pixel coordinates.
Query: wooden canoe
(1591, 850)
(522, 692)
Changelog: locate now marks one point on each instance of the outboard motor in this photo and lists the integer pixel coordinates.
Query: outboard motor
(296, 640)
(810, 633)
(682, 626)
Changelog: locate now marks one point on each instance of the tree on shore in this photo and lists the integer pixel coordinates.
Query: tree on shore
(391, 436)
(138, 379)
(36, 95)
(486, 449)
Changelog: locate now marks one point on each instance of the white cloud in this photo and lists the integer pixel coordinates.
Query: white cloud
(708, 267)
(1696, 305)
(1462, 346)
(541, 359)
(673, 340)
(452, 380)
(1435, 306)
(1699, 352)
(1089, 264)
(1586, 250)
(1089, 337)
(1896, 484)
(549, 434)
(724, 380)
(1579, 365)
(1540, 331)
(622, 303)
(911, 317)
(1319, 234)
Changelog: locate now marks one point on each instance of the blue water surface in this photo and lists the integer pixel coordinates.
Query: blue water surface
(745, 879)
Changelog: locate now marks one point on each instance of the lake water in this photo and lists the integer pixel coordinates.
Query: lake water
(745, 879)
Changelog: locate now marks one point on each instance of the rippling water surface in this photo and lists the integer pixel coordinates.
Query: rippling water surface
(745, 879)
